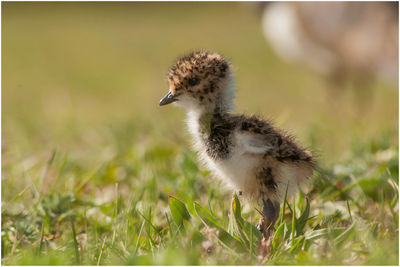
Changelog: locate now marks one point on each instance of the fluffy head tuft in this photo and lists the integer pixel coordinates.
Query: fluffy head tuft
(201, 80)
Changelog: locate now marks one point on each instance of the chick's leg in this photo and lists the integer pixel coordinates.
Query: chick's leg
(271, 213)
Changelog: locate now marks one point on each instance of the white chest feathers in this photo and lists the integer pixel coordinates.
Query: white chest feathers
(237, 171)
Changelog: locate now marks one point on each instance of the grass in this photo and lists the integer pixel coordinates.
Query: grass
(93, 172)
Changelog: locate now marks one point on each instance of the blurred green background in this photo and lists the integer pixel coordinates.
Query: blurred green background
(84, 80)
(72, 68)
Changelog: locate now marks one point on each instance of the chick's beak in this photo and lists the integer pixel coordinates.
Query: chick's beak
(168, 98)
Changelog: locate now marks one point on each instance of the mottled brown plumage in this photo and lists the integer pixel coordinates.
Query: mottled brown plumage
(246, 152)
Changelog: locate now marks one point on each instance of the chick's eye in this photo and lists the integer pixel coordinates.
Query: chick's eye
(193, 81)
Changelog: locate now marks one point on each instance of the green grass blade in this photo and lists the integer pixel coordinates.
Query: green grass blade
(178, 210)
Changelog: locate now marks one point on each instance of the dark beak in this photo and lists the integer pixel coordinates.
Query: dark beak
(168, 99)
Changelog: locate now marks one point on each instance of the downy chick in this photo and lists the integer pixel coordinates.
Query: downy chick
(249, 154)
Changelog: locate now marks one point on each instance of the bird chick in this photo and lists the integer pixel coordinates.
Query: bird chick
(249, 154)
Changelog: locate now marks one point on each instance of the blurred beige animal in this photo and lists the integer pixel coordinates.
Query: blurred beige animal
(341, 40)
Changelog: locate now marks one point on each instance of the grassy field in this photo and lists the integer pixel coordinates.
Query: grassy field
(94, 172)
